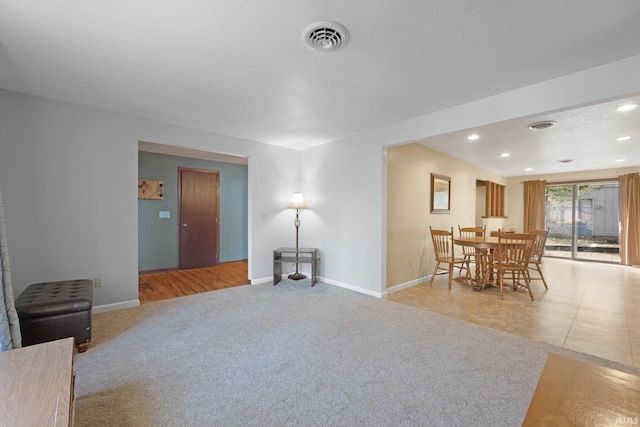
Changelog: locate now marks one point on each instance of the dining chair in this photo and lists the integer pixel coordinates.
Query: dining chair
(498, 232)
(468, 252)
(445, 253)
(513, 254)
(536, 255)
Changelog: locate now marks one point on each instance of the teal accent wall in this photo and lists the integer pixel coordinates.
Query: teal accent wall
(158, 237)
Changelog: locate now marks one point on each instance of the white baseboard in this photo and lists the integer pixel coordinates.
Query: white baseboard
(262, 280)
(115, 306)
(135, 303)
(351, 287)
(328, 282)
(406, 285)
(270, 278)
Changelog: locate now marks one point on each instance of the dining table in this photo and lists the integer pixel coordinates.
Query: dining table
(484, 246)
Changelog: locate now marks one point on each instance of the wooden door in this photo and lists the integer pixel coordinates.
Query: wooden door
(198, 218)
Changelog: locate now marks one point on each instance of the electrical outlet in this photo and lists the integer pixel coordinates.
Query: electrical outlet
(97, 282)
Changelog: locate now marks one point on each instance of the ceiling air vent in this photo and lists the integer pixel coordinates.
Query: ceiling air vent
(565, 160)
(325, 36)
(542, 125)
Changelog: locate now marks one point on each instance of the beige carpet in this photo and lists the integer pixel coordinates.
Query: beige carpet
(292, 355)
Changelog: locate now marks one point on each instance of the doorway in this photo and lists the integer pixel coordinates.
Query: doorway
(199, 212)
(582, 219)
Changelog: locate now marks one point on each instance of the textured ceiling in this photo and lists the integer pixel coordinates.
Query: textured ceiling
(240, 67)
(587, 136)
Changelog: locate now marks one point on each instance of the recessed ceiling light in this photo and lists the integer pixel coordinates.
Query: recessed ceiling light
(505, 155)
(529, 169)
(626, 107)
(565, 160)
(619, 160)
(473, 137)
(546, 124)
(623, 138)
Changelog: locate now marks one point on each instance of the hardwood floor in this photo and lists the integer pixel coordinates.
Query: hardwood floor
(178, 283)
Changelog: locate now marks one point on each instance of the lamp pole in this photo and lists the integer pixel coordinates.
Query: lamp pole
(297, 203)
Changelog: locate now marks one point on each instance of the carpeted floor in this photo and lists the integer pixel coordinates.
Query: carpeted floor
(292, 355)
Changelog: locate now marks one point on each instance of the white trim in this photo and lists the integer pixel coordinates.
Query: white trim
(330, 282)
(408, 284)
(115, 306)
(351, 287)
(260, 281)
(270, 278)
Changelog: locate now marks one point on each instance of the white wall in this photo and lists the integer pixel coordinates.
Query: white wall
(348, 176)
(343, 189)
(68, 175)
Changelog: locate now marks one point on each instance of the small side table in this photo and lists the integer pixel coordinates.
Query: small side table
(304, 256)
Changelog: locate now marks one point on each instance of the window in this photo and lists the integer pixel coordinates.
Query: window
(582, 219)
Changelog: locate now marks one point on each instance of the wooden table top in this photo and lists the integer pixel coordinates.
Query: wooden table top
(479, 242)
(37, 384)
(575, 393)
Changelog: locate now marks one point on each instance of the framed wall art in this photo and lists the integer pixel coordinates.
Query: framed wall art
(150, 189)
(440, 194)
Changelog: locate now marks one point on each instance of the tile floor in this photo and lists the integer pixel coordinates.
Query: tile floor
(592, 308)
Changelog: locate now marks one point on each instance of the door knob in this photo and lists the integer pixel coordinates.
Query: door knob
(184, 225)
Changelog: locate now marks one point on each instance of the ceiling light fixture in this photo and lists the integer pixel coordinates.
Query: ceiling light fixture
(545, 124)
(505, 155)
(325, 36)
(619, 160)
(529, 169)
(623, 138)
(626, 107)
(473, 137)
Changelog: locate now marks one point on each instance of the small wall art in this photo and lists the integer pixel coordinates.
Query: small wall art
(440, 194)
(150, 189)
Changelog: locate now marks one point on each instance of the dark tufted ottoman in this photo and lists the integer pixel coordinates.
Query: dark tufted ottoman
(55, 310)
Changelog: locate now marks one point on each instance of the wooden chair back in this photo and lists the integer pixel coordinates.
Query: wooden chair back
(443, 244)
(468, 232)
(538, 246)
(502, 231)
(514, 251)
(472, 231)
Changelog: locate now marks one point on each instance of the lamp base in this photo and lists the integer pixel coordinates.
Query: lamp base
(297, 276)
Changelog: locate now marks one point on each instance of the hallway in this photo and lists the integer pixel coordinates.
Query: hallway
(178, 283)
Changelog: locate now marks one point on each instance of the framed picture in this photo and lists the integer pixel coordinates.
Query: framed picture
(440, 194)
(150, 189)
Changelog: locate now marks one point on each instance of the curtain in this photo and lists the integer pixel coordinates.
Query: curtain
(629, 213)
(9, 327)
(534, 205)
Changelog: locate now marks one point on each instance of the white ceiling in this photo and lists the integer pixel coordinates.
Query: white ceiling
(240, 67)
(587, 136)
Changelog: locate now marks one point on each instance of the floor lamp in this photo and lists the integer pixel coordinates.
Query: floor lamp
(297, 203)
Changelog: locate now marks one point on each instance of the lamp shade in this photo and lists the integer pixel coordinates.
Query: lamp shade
(297, 201)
